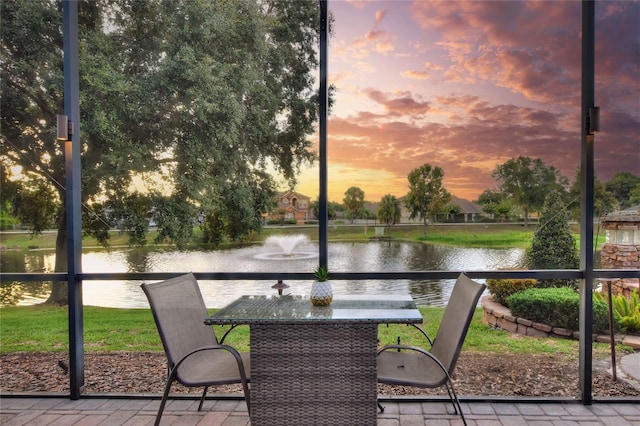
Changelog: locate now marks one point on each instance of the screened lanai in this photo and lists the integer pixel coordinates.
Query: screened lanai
(348, 34)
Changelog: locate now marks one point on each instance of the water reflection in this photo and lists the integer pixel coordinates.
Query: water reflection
(139, 260)
(14, 293)
(343, 257)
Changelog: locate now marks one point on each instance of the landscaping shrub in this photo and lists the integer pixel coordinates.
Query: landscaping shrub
(501, 289)
(553, 246)
(556, 307)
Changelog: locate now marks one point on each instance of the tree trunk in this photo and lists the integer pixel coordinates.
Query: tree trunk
(424, 223)
(59, 292)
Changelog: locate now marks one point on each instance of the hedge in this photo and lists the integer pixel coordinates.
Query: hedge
(556, 307)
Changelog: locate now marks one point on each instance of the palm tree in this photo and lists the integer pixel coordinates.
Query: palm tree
(389, 210)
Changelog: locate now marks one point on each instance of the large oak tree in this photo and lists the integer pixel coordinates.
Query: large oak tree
(200, 99)
(527, 182)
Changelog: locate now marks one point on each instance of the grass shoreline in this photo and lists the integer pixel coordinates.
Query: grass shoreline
(476, 235)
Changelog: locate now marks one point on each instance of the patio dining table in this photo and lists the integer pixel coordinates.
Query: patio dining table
(315, 364)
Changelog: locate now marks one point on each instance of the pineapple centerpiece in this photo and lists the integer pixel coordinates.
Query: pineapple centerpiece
(321, 291)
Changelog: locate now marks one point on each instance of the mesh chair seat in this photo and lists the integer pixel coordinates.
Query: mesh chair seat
(194, 355)
(208, 368)
(413, 366)
(409, 369)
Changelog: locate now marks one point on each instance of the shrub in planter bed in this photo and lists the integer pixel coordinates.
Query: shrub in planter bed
(501, 289)
(556, 307)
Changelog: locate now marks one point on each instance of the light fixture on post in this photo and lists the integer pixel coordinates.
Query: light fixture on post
(65, 128)
(280, 286)
(593, 120)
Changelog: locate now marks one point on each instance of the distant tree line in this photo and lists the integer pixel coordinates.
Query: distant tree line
(34, 204)
(523, 185)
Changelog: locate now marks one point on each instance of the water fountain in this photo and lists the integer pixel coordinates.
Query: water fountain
(287, 248)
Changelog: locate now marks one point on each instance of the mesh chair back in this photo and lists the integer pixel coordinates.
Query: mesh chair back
(455, 322)
(179, 312)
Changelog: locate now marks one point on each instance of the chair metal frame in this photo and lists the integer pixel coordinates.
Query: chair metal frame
(460, 310)
(187, 287)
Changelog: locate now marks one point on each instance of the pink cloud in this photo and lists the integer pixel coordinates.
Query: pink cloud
(380, 14)
(488, 135)
(360, 4)
(398, 105)
(376, 36)
(528, 49)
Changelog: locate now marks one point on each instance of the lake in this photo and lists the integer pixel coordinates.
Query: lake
(378, 256)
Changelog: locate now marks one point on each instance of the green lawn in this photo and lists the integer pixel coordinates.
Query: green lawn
(44, 328)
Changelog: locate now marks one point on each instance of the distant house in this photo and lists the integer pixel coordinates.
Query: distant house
(291, 205)
(469, 211)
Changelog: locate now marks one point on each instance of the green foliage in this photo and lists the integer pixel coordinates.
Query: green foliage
(556, 307)
(621, 186)
(97, 223)
(321, 273)
(332, 208)
(9, 190)
(7, 221)
(354, 200)
(389, 210)
(501, 289)
(426, 195)
(553, 245)
(495, 203)
(38, 205)
(527, 182)
(626, 306)
(634, 196)
(604, 201)
(626, 310)
(131, 213)
(454, 209)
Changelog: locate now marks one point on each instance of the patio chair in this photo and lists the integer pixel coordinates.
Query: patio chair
(195, 357)
(433, 368)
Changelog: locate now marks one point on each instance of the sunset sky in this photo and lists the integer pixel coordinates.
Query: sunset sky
(469, 85)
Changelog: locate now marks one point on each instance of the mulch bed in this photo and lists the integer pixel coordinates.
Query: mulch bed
(477, 374)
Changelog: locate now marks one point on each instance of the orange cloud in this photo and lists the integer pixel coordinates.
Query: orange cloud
(417, 75)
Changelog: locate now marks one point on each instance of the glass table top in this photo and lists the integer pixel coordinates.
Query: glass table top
(287, 309)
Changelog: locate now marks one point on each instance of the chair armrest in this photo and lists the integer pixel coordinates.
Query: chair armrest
(228, 348)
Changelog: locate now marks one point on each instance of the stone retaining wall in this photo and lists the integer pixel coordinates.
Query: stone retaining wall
(616, 256)
(499, 316)
(621, 286)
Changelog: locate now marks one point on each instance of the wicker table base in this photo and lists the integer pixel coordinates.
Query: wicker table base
(313, 374)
